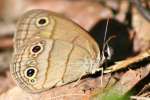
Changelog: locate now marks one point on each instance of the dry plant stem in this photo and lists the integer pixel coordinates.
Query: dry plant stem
(6, 42)
(139, 98)
(144, 89)
(125, 63)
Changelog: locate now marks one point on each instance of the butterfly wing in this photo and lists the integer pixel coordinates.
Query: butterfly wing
(57, 63)
(55, 27)
(50, 50)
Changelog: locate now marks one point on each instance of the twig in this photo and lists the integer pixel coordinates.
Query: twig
(140, 98)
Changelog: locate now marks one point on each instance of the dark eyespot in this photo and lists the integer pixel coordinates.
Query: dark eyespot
(42, 21)
(36, 49)
(30, 72)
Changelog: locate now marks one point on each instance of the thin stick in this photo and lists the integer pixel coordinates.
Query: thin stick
(66, 95)
(140, 98)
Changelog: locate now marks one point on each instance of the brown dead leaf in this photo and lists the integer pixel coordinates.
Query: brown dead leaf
(142, 29)
(6, 82)
(66, 92)
(124, 85)
(125, 63)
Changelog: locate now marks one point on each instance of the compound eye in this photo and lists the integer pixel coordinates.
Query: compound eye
(108, 52)
(30, 72)
(42, 21)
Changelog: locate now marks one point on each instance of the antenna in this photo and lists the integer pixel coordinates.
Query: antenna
(105, 34)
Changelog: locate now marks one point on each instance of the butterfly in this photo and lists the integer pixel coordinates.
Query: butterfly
(51, 50)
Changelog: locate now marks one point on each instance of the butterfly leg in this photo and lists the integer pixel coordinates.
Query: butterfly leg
(77, 82)
(101, 80)
(102, 74)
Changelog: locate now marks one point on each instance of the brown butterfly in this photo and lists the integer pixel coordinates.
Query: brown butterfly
(51, 50)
